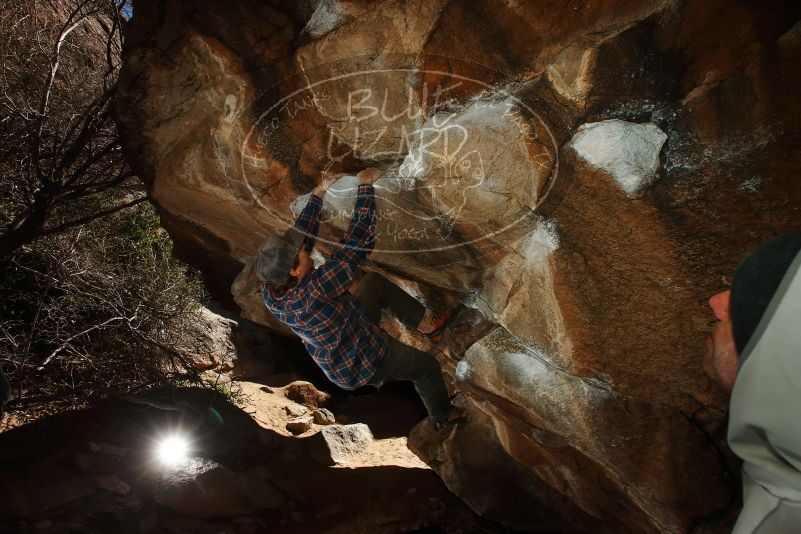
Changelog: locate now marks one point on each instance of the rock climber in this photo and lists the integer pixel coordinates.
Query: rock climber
(338, 323)
(755, 354)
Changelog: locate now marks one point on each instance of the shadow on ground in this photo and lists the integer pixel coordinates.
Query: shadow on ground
(94, 470)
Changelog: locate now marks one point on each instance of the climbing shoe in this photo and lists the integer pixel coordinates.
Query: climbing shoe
(455, 417)
(442, 322)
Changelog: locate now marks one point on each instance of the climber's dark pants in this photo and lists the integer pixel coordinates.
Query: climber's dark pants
(377, 293)
(401, 361)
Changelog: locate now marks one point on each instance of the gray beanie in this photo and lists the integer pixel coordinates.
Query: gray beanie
(276, 256)
(755, 282)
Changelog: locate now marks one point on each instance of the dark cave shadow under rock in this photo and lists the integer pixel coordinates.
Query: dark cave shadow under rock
(292, 360)
(390, 412)
(43, 474)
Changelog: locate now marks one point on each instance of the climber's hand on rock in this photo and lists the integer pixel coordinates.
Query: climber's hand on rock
(369, 175)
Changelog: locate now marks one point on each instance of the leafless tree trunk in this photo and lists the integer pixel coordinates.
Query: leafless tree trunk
(65, 149)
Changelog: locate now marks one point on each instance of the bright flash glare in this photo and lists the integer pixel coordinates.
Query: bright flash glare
(172, 450)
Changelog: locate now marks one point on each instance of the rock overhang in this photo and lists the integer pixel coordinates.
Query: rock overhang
(597, 279)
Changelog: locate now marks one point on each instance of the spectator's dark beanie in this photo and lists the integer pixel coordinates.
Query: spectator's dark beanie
(755, 282)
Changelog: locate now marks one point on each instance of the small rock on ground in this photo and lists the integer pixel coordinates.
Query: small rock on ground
(305, 393)
(323, 416)
(334, 444)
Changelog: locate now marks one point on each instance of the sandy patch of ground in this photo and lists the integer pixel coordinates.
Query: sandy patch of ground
(271, 410)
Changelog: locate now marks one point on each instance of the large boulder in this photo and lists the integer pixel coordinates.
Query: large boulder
(207, 341)
(335, 444)
(217, 340)
(583, 176)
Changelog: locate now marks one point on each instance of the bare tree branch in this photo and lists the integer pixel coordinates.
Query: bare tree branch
(74, 336)
(69, 25)
(92, 217)
(73, 149)
(34, 323)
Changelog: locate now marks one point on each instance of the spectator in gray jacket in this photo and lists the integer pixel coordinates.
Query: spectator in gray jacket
(755, 354)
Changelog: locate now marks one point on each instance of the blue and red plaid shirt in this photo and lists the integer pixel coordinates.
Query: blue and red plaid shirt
(332, 324)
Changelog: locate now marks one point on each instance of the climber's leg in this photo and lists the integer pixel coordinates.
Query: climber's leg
(366, 293)
(403, 362)
(377, 293)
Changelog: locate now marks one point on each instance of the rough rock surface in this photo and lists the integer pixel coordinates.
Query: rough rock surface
(335, 444)
(323, 416)
(627, 151)
(304, 393)
(584, 352)
(203, 488)
(208, 343)
(217, 340)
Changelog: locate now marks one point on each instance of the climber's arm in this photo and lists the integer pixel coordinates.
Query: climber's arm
(360, 237)
(336, 275)
(308, 222)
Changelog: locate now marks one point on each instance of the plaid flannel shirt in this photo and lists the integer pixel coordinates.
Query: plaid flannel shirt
(332, 324)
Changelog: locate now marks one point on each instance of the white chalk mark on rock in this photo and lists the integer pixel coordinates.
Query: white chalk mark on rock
(626, 150)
